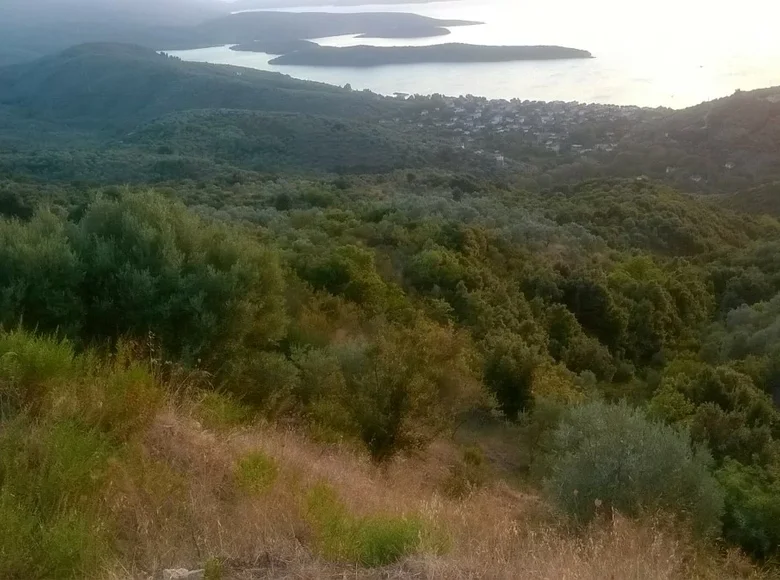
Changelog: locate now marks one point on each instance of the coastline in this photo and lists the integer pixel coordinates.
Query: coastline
(453, 53)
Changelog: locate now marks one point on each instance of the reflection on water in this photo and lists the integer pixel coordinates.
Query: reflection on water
(661, 53)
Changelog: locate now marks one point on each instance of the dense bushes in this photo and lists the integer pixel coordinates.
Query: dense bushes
(65, 418)
(141, 265)
(752, 518)
(379, 310)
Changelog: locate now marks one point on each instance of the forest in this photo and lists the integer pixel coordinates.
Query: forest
(221, 289)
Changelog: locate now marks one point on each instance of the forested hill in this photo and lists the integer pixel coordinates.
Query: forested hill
(719, 146)
(116, 112)
(119, 85)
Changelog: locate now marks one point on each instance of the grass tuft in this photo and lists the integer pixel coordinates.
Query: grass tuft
(256, 472)
(221, 411)
(371, 541)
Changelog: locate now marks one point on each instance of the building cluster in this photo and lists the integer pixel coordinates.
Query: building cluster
(556, 126)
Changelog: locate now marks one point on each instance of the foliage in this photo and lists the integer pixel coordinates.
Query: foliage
(509, 370)
(612, 457)
(49, 524)
(256, 472)
(468, 474)
(370, 307)
(371, 541)
(140, 265)
(405, 387)
(221, 411)
(752, 518)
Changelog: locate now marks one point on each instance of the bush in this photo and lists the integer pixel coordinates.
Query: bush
(467, 475)
(370, 541)
(256, 472)
(613, 456)
(140, 264)
(220, 410)
(406, 386)
(752, 518)
(213, 569)
(49, 478)
(509, 374)
(27, 364)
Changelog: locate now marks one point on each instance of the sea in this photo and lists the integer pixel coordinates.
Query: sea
(670, 53)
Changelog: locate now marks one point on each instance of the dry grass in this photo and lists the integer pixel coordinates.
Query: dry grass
(179, 504)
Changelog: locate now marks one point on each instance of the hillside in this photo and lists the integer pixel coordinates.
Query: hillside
(720, 146)
(117, 85)
(106, 112)
(266, 328)
(263, 141)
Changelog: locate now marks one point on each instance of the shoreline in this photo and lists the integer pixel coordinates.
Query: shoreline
(365, 56)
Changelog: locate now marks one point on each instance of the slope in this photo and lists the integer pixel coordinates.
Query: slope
(718, 146)
(117, 86)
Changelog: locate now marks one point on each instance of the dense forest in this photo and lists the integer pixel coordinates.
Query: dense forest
(190, 254)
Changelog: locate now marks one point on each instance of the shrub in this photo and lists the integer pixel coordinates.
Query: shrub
(256, 472)
(213, 570)
(752, 518)
(614, 456)
(467, 475)
(221, 411)
(138, 264)
(40, 275)
(370, 541)
(264, 380)
(406, 385)
(27, 364)
(509, 374)
(50, 476)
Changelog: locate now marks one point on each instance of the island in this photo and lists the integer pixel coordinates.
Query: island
(246, 28)
(371, 56)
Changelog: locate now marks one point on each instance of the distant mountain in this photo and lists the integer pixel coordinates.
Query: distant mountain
(30, 29)
(278, 4)
(288, 26)
(156, 12)
(26, 34)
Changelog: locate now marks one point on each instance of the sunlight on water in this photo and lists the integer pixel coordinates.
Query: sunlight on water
(666, 53)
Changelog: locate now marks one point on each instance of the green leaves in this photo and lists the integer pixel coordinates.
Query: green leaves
(139, 265)
(606, 457)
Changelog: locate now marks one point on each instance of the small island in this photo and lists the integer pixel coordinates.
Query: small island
(370, 56)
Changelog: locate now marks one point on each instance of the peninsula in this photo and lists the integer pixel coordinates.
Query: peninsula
(370, 56)
(275, 46)
(408, 32)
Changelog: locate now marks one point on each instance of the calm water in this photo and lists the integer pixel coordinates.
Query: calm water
(674, 53)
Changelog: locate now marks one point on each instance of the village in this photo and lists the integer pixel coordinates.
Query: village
(554, 127)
